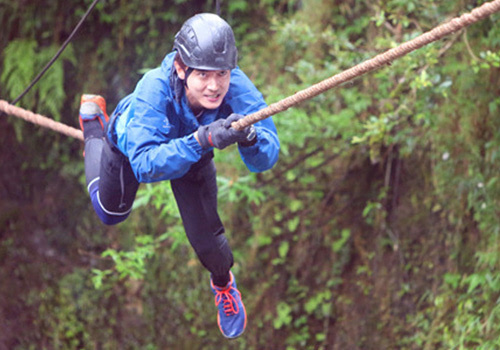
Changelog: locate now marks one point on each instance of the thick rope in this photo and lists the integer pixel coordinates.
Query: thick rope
(40, 120)
(378, 61)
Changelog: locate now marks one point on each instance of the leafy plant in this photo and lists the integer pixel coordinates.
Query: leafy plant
(23, 59)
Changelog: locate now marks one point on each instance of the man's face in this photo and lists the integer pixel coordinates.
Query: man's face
(206, 89)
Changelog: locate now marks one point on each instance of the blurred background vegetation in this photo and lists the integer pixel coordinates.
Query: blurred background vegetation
(377, 229)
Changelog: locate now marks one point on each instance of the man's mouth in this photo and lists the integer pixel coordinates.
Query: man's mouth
(212, 98)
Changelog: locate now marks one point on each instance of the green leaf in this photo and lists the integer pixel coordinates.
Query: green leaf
(283, 249)
(339, 244)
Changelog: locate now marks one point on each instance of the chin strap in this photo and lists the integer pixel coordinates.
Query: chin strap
(187, 73)
(217, 7)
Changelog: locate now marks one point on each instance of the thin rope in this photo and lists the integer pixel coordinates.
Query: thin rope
(40, 120)
(378, 61)
(56, 56)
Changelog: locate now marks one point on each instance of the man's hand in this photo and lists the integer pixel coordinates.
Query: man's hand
(220, 134)
(249, 132)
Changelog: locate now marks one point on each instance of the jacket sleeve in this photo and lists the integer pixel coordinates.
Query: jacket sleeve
(154, 149)
(245, 99)
(264, 153)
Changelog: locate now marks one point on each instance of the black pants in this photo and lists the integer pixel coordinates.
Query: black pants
(114, 190)
(196, 196)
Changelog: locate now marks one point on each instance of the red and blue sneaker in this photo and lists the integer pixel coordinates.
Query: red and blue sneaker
(93, 107)
(232, 316)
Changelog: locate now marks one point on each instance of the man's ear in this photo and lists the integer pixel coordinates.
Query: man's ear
(180, 70)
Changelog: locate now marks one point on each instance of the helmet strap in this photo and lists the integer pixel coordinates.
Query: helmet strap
(187, 73)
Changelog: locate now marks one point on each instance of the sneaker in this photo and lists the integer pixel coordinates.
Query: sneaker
(93, 107)
(232, 316)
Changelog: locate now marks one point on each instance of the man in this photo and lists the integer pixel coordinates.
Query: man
(166, 130)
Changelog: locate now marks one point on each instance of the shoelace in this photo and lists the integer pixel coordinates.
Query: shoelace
(230, 302)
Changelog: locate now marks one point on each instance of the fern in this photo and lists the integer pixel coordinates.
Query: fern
(22, 61)
(19, 66)
(50, 89)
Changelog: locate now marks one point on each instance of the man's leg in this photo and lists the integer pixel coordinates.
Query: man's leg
(93, 119)
(196, 196)
(114, 193)
(110, 181)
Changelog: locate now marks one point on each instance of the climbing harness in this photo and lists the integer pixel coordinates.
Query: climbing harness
(378, 61)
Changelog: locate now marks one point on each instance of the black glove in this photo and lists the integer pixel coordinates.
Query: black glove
(220, 134)
(250, 135)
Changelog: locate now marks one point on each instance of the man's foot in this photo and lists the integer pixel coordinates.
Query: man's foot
(232, 316)
(93, 107)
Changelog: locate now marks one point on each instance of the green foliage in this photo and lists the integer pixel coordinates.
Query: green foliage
(377, 229)
(283, 317)
(69, 315)
(129, 264)
(23, 60)
(239, 189)
(132, 264)
(19, 66)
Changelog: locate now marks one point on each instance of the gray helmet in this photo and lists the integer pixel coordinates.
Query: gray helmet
(206, 42)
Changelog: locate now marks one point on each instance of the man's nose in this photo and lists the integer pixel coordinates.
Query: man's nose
(213, 83)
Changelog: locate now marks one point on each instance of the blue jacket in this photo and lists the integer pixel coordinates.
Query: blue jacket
(154, 126)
